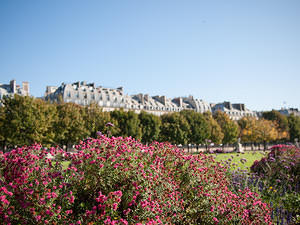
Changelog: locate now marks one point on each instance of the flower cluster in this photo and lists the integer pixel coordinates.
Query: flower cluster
(280, 179)
(281, 166)
(121, 181)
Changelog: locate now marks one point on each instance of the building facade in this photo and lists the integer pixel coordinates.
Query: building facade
(12, 88)
(109, 99)
(234, 111)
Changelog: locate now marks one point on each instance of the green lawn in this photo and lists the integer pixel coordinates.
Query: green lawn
(236, 158)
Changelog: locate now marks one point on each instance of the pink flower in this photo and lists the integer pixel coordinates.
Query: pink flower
(216, 220)
(38, 218)
(115, 206)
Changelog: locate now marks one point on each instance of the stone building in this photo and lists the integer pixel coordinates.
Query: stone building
(83, 93)
(234, 111)
(12, 88)
(109, 99)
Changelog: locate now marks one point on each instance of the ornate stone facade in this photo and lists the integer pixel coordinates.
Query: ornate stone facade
(234, 111)
(84, 94)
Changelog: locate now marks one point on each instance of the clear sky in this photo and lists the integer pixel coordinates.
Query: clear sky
(243, 51)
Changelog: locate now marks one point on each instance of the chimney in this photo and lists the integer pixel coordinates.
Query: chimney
(13, 86)
(140, 97)
(178, 101)
(25, 86)
(163, 99)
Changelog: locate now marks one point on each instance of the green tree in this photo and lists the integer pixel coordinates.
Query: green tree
(150, 125)
(199, 126)
(215, 131)
(96, 120)
(127, 123)
(229, 127)
(175, 128)
(70, 126)
(294, 127)
(27, 120)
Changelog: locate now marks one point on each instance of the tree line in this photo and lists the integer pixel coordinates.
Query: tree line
(27, 120)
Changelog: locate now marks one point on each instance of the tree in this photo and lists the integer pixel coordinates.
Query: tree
(70, 126)
(248, 126)
(96, 120)
(199, 127)
(294, 127)
(150, 125)
(215, 131)
(229, 128)
(281, 122)
(27, 120)
(175, 128)
(127, 123)
(266, 131)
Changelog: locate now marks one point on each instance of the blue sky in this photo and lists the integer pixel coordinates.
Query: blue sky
(243, 51)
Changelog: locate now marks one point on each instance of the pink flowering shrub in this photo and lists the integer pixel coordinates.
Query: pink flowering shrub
(121, 181)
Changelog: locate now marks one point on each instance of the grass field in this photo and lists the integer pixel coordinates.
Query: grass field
(237, 158)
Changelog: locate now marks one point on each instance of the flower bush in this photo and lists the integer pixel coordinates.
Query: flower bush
(121, 181)
(281, 166)
(279, 174)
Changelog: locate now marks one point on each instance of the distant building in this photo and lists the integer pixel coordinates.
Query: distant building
(12, 88)
(289, 111)
(197, 104)
(109, 99)
(84, 94)
(234, 111)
